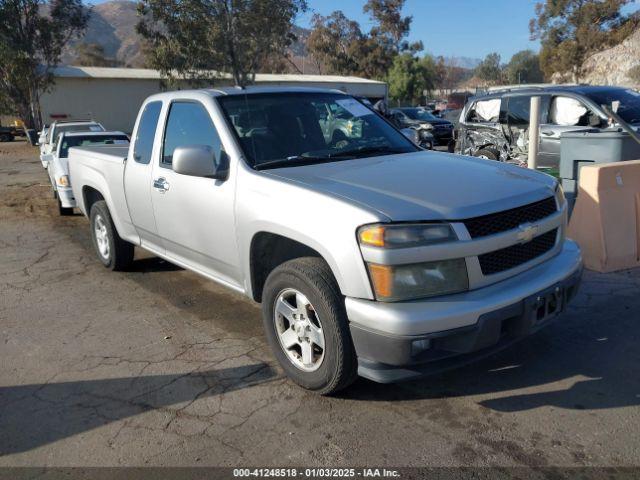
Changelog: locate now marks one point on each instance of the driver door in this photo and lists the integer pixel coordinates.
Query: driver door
(195, 215)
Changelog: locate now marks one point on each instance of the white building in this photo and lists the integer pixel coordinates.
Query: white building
(113, 96)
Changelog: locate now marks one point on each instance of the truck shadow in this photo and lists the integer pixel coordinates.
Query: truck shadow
(39, 414)
(589, 359)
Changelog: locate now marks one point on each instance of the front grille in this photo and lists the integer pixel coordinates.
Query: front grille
(510, 219)
(511, 257)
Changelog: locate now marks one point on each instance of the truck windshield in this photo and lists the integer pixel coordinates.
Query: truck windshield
(629, 108)
(85, 140)
(291, 129)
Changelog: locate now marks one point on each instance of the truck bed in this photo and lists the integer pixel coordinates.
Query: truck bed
(101, 168)
(101, 151)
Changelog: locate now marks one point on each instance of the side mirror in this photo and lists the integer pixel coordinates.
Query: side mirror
(200, 161)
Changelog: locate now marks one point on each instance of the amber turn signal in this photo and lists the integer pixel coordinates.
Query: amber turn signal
(373, 236)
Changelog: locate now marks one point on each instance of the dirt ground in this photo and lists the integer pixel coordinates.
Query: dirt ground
(158, 366)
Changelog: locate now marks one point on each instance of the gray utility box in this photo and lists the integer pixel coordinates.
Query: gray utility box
(586, 147)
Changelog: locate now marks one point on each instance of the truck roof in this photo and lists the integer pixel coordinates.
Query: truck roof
(528, 90)
(250, 90)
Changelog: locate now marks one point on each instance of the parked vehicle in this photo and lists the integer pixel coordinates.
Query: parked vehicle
(42, 136)
(425, 123)
(58, 163)
(370, 256)
(496, 125)
(58, 127)
(7, 134)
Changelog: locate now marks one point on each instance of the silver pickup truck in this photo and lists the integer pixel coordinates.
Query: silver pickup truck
(369, 255)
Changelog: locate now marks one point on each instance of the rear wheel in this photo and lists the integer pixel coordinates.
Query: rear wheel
(113, 251)
(306, 326)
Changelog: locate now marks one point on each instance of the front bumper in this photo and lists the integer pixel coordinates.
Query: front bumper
(399, 341)
(65, 194)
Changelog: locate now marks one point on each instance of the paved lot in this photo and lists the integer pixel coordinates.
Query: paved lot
(160, 367)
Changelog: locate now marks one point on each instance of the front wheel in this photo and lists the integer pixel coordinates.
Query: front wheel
(306, 326)
(488, 153)
(113, 251)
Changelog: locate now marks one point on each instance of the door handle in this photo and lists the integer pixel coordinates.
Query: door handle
(161, 184)
(548, 133)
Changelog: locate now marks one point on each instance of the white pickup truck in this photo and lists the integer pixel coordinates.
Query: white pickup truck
(369, 255)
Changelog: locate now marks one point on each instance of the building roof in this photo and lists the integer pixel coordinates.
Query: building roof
(68, 71)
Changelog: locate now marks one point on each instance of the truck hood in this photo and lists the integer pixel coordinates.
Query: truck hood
(424, 185)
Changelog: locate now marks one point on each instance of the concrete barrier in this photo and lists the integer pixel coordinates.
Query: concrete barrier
(606, 218)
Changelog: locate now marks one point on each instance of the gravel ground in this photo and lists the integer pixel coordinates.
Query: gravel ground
(158, 366)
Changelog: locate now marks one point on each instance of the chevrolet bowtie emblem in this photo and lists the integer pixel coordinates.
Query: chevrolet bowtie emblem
(526, 232)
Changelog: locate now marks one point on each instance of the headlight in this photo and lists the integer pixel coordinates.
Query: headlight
(560, 199)
(416, 280)
(427, 126)
(405, 235)
(63, 181)
(419, 280)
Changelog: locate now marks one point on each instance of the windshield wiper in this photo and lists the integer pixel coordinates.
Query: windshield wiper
(368, 150)
(299, 160)
(295, 160)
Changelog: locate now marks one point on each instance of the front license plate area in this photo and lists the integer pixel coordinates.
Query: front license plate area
(545, 305)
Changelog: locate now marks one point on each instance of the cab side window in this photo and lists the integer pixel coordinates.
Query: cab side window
(188, 124)
(146, 133)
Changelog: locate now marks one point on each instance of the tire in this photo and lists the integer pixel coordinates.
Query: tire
(7, 137)
(114, 253)
(64, 211)
(337, 366)
(488, 153)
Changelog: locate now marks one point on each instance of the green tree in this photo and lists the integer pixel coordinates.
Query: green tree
(448, 74)
(340, 46)
(524, 67)
(93, 55)
(32, 36)
(489, 69)
(335, 43)
(200, 39)
(410, 76)
(571, 30)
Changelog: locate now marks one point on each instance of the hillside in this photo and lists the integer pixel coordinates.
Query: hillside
(611, 66)
(112, 25)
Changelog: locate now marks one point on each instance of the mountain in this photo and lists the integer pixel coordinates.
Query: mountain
(463, 62)
(113, 26)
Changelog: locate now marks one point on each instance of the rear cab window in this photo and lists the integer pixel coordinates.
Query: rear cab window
(146, 132)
